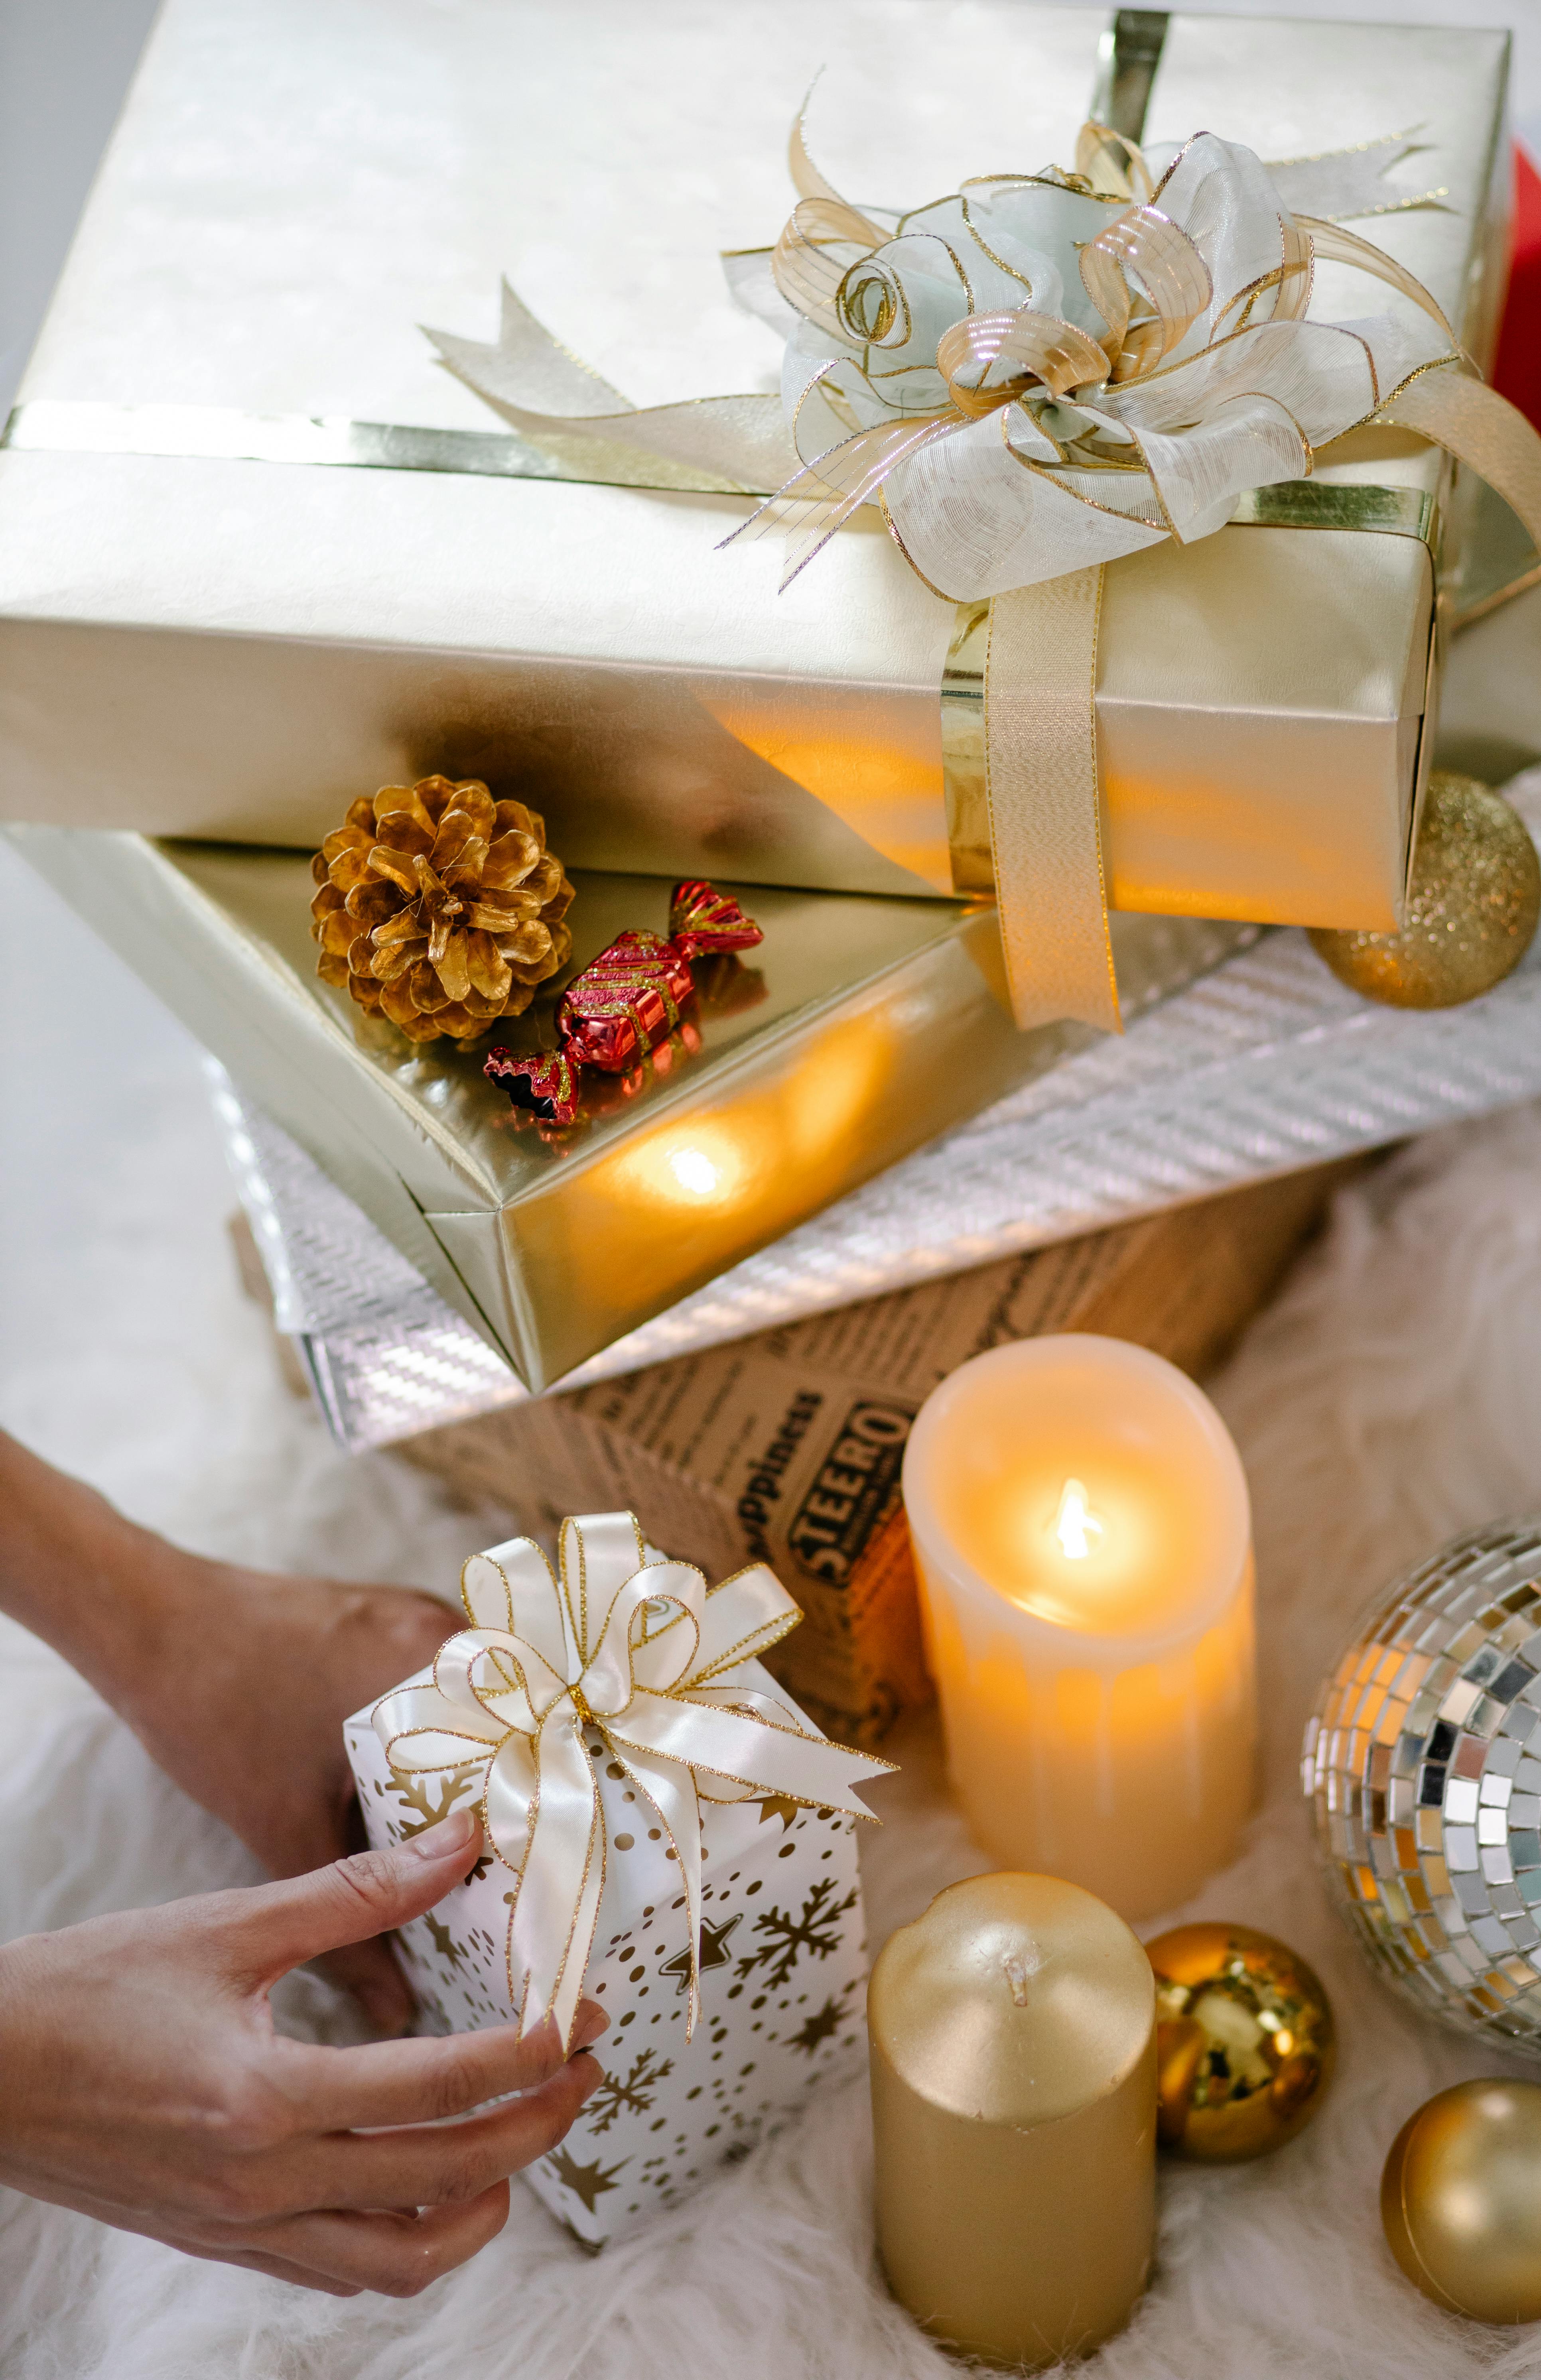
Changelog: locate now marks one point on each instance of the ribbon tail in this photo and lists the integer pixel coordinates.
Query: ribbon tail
(556, 1903)
(527, 366)
(820, 498)
(730, 446)
(716, 1737)
(585, 1917)
(1045, 802)
(1481, 429)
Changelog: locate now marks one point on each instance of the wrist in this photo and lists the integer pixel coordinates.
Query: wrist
(105, 1592)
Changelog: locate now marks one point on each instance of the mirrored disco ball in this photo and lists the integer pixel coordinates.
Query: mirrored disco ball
(1422, 1764)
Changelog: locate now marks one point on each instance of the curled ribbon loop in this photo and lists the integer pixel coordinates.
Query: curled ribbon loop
(1182, 372)
(622, 1656)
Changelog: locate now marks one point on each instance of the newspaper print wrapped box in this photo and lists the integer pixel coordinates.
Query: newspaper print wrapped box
(714, 1913)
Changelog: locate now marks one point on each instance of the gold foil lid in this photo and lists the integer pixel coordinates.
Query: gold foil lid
(1015, 2000)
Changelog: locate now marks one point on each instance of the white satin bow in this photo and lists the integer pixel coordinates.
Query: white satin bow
(1047, 371)
(634, 1653)
(1043, 371)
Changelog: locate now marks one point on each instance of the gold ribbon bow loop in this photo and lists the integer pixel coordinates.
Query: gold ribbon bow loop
(621, 1644)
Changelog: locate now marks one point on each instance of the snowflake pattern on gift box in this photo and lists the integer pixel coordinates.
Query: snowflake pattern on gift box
(633, 2092)
(783, 1967)
(761, 1951)
(817, 1931)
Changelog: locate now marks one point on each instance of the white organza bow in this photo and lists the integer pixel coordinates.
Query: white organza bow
(1044, 371)
(632, 1655)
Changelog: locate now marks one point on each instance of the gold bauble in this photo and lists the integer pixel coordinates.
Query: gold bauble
(1244, 2042)
(1472, 907)
(1461, 2200)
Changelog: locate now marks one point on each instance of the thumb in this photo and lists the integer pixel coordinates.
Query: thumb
(281, 1925)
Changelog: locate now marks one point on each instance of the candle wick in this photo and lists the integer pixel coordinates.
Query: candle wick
(1019, 1965)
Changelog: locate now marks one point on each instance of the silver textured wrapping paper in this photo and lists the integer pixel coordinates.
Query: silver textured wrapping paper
(1265, 1064)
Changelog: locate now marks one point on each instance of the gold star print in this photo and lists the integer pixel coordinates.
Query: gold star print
(585, 2182)
(819, 2028)
(714, 1951)
(778, 1805)
(445, 1942)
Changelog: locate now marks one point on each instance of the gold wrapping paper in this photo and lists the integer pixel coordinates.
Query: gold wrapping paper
(869, 1026)
(258, 635)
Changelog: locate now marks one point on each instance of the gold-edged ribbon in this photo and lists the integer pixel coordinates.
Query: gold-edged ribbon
(620, 1655)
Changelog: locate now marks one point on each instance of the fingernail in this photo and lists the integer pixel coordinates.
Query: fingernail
(453, 1834)
(589, 2023)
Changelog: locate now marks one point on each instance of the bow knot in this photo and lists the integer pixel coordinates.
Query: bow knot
(636, 1650)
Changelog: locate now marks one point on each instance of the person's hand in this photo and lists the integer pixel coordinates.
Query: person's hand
(236, 1682)
(247, 1715)
(142, 2082)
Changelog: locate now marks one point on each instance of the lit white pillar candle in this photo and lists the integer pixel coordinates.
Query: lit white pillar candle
(1082, 1537)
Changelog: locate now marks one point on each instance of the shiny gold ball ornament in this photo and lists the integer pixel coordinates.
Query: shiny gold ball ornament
(1461, 2200)
(1471, 908)
(1422, 1763)
(1244, 2042)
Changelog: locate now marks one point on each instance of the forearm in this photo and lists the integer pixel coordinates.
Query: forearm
(102, 1591)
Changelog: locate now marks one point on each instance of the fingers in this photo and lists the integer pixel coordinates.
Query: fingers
(395, 2253)
(281, 1925)
(420, 2082)
(369, 1971)
(441, 2165)
(277, 2268)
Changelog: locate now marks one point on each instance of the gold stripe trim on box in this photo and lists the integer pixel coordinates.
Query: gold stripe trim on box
(1128, 53)
(1319, 503)
(223, 434)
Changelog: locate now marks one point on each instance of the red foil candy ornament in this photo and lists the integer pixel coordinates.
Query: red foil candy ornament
(625, 1002)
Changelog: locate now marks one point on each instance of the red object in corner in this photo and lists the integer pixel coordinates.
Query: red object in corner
(1517, 373)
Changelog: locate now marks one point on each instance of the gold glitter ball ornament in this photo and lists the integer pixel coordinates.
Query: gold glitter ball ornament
(440, 907)
(1472, 908)
(1422, 1763)
(1461, 2200)
(1244, 2042)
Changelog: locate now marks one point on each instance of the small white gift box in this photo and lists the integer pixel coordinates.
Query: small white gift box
(666, 1832)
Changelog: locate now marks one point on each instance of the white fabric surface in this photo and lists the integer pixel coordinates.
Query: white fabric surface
(1391, 1397)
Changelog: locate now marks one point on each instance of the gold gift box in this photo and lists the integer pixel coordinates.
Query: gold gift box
(195, 644)
(858, 1030)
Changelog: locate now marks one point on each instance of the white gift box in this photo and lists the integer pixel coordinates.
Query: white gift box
(782, 1959)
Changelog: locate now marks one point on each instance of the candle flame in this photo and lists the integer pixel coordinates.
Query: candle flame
(1076, 1522)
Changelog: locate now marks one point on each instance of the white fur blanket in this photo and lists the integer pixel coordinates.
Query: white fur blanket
(1391, 1397)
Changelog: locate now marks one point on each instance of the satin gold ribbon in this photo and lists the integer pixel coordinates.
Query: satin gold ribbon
(632, 1654)
(1023, 813)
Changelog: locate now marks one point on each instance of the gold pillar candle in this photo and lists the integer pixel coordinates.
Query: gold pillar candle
(1082, 1537)
(1014, 2107)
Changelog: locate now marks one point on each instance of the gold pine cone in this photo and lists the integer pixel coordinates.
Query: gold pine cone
(440, 908)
